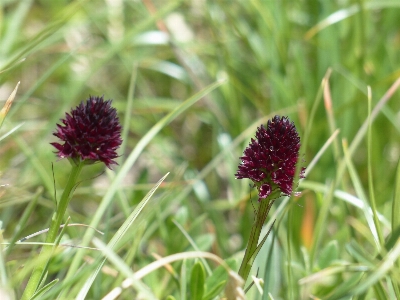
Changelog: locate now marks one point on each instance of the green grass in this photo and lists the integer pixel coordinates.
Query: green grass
(189, 106)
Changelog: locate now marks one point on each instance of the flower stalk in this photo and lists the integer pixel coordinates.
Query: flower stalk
(89, 134)
(270, 162)
(56, 220)
(252, 244)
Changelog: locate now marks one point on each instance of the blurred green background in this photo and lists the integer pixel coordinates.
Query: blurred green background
(149, 57)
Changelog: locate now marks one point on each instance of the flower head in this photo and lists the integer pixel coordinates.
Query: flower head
(91, 133)
(270, 159)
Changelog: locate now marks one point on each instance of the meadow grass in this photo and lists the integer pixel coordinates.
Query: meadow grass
(192, 80)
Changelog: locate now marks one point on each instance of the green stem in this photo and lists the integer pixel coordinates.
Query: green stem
(252, 244)
(56, 221)
(396, 201)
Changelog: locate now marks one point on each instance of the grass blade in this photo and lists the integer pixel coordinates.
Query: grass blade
(108, 250)
(396, 201)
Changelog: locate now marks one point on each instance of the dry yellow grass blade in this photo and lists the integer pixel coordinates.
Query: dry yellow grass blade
(7, 106)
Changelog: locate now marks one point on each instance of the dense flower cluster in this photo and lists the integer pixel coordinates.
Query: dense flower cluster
(91, 133)
(270, 159)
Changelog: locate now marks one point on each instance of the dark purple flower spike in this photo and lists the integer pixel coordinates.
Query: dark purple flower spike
(90, 133)
(270, 159)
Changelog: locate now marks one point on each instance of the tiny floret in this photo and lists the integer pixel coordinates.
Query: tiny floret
(90, 133)
(270, 159)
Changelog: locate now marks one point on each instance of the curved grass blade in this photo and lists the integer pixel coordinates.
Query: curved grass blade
(108, 250)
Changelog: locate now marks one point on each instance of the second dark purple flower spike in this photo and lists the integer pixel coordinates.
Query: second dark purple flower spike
(90, 133)
(270, 159)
